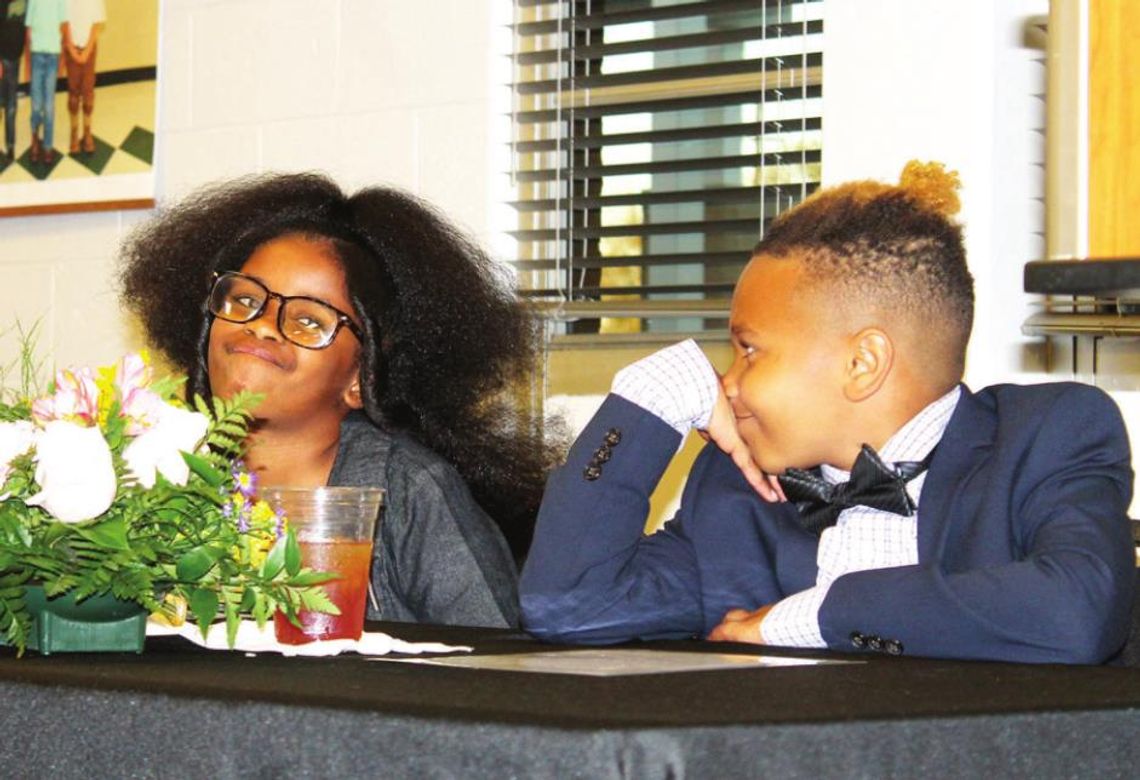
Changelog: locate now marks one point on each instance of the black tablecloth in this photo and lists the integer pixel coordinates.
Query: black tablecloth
(179, 711)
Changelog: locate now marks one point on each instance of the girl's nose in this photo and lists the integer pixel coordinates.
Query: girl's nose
(264, 325)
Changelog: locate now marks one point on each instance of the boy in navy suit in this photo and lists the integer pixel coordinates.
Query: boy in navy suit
(859, 497)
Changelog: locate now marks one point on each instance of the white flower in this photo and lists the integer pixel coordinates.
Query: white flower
(16, 438)
(74, 472)
(160, 447)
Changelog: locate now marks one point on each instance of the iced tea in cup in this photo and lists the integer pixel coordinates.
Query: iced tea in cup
(334, 528)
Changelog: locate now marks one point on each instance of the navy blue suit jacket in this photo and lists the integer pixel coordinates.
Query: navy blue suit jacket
(1024, 547)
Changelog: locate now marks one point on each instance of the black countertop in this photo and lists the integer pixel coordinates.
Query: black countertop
(1083, 277)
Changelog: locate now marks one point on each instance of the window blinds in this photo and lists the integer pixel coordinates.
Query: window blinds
(652, 143)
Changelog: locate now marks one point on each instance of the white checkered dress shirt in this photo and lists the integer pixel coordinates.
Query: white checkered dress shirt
(862, 538)
(679, 385)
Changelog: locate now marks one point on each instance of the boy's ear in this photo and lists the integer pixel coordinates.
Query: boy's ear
(869, 362)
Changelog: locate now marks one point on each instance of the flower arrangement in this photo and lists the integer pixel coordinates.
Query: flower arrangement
(108, 484)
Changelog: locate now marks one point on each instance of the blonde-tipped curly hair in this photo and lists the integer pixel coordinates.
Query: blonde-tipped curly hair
(895, 247)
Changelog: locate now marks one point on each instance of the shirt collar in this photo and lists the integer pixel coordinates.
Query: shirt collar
(915, 439)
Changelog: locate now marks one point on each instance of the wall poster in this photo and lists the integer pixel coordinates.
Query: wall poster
(78, 93)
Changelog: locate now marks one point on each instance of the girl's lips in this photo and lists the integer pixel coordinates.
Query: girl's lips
(253, 350)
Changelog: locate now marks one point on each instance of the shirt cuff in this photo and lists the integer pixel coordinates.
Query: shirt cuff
(678, 384)
(794, 621)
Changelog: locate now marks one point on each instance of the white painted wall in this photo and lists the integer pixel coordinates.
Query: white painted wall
(370, 91)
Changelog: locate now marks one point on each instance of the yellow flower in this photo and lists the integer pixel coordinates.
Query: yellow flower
(261, 533)
(105, 382)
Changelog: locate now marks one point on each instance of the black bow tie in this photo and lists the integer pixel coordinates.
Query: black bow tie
(873, 484)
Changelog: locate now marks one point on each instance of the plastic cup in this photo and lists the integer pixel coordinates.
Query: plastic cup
(334, 528)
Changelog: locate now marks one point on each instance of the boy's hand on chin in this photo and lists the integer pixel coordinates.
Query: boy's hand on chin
(722, 432)
(740, 625)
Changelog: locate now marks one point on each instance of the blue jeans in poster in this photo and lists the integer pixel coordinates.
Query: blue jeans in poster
(8, 83)
(45, 67)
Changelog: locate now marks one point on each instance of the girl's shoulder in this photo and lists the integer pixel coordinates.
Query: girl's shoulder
(369, 454)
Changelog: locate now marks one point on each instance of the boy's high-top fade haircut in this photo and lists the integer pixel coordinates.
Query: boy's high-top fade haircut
(895, 247)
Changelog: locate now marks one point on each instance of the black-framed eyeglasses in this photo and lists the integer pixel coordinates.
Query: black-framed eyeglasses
(307, 322)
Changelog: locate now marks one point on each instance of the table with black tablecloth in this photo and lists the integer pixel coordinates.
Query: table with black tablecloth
(181, 711)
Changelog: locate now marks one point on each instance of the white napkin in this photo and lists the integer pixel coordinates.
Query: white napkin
(251, 639)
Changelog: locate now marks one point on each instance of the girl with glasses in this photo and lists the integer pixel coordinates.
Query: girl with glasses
(386, 347)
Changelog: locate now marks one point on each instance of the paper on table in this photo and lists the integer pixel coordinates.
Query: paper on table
(251, 639)
(612, 662)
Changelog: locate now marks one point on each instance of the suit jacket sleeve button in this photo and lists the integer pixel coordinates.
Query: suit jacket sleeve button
(592, 472)
(602, 454)
(894, 647)
(613, 437)
(858, 641)
(875, 643)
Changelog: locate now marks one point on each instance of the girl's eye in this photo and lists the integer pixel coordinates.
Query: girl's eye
(248, 301)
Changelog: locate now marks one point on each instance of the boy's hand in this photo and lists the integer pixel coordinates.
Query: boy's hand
(722, 432)
(740, 625)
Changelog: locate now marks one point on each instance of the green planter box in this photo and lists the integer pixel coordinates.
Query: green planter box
(98, 624)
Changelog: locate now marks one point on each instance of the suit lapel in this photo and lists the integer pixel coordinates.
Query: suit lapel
(959, 456)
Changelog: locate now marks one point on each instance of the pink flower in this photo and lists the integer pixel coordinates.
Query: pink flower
(76, 399)
(132, 372)
(142, 407)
